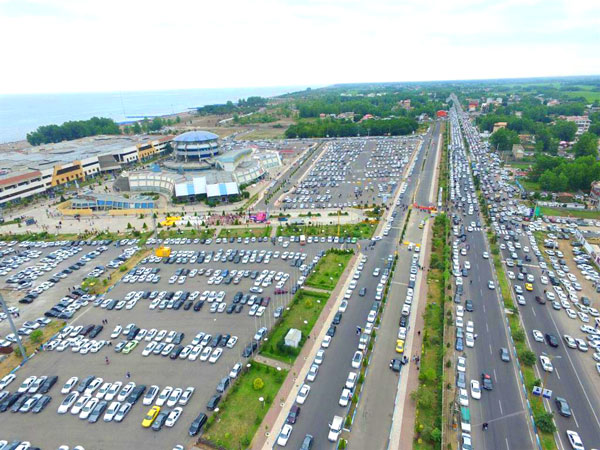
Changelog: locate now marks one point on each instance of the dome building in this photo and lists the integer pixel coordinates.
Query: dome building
(195, 146)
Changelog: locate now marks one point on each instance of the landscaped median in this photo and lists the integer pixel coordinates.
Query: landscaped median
(242, 410)
(362, 230)
(307, 305)
(245, 232)
(428, 396)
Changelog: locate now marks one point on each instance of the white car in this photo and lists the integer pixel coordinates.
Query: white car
(326, 342)
(312, 372)
(173, 416)
(470, 340)
(174, 397)
(126, 391)
(111, 411)
(491, 285)
(216, 354)
(88, 408)
(8, 379)
(69, 385)
(68, 402)
(319, 357)
(148, 349)
(302, 394)
(205, 353)
(357, 359)
(351, 380)
(235, 371)
(537, 335)
(463, 397)
(546, 363)
(232, 341)
(461, 364)
(575, 440)
(345, 397)
(113, 391)
(26, 384)
(186, 395)
(571, 343)
(164, 395)
(79, 404)
(95, 384)
(150, 395)
(103, 390)
(486, 255)
(475, 390)
(284, 435)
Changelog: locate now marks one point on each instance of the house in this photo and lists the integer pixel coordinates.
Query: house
(595, 194)
(442, 113)
(583, 123)
(499, 125)
(518, 151)
(293, 337)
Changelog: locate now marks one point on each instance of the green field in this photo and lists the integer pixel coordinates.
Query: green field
(530, 185)
(303, 312)
(328, 270)
(579, 213)
(357, 230)
(246, 232)
(241, 412)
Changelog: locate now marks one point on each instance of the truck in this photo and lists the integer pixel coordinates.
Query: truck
(302, 239)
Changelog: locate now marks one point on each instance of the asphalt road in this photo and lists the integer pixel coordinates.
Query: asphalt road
(322, 403)
(502, 408)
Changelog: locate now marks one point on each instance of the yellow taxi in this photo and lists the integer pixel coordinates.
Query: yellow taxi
(150, 416)
(399, 346)
(529, 286)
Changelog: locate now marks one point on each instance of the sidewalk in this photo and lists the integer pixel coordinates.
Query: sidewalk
(277, 413)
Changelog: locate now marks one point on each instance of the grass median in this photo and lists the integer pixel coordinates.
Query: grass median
(329, 269)
(360, 230)
(428, 396)
(241, 412)
(246, 232)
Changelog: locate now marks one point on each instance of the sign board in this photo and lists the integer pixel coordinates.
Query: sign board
(547, 393)
(537, 390)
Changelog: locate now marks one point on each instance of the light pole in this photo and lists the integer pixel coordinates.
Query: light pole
(13, 328)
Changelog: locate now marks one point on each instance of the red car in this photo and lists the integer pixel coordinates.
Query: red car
(280, 291)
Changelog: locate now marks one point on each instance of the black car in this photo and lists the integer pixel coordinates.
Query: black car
(198, 305)
(230, 308)
(331, 331)
(178, 338)
(17, 405)
(486, 381)
(337, 318)
(552, 340)
(362, 292)
(563, 407)
(133, 333)
(95, 331)
(238, 308)
(9, 401)
(395, 365)
(469, 306)
(176, 351)
(224, 339)
(215, 340)
(160, 419)
(403, 321)
(41, 404)
(293, 415)
(83, 384)
(197, 424)
(135, 394)
(97, 411)
(47, 384)
(213, 402)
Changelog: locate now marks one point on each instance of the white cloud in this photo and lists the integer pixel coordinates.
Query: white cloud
(71, 45)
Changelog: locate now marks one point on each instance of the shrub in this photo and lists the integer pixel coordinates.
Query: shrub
(36, 336)
(527, 357)
(258, 384)
(544, 421)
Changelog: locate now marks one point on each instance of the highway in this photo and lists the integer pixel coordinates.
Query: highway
(503, 408)
(572, 378)
(322, 403)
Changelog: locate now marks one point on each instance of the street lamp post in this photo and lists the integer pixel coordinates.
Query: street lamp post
(13, 328)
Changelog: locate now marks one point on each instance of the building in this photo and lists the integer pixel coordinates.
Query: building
(40, 169)
(499, 125)
(195, 146)
(518, 151)
(595, 194)
(473, 104)
(293, 337)
(107, 202)
(441, 113)
(583, 123)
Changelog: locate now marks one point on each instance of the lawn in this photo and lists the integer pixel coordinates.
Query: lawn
(240, 413)
(246, 232)
(302, 314)
(357, 230)
(190, 233)
(523, 165)
(530, 186)
(579, 213)
(13, 360)
(328, 270)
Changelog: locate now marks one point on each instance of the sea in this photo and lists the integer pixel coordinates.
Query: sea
(20, 114)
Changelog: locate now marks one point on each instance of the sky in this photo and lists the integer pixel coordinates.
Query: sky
(55, 46)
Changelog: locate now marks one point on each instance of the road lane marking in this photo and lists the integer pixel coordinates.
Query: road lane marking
(533, 311)
(506, 439)
(556, 370)
(495, 376)
(499, 402)
(491, 353)
(487, 328)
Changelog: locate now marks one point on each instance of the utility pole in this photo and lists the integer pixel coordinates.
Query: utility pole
(13, 328)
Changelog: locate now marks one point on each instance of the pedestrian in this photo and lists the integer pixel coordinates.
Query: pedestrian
(419, 333)
(107, 361)
(485, 426)
(128, 375)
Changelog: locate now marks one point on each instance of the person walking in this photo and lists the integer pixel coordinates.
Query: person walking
(128, 375)
(107, 361)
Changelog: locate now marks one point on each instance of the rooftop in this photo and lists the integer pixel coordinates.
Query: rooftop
(196, 136)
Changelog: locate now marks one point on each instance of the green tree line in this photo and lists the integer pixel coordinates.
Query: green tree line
(557, 174)
(72, 130)
(242, 106)
(346, 128)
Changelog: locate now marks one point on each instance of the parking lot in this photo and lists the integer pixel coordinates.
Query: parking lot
(352, 172)
(138, 305)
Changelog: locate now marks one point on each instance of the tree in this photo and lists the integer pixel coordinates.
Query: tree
(528, 357)
(544, 421)
(36, 336)
(258, 384)
(137, 129)
(564, 130)
(504, 139)
(586, 145)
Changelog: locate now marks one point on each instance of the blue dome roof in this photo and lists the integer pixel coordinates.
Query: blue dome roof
(196, 136)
